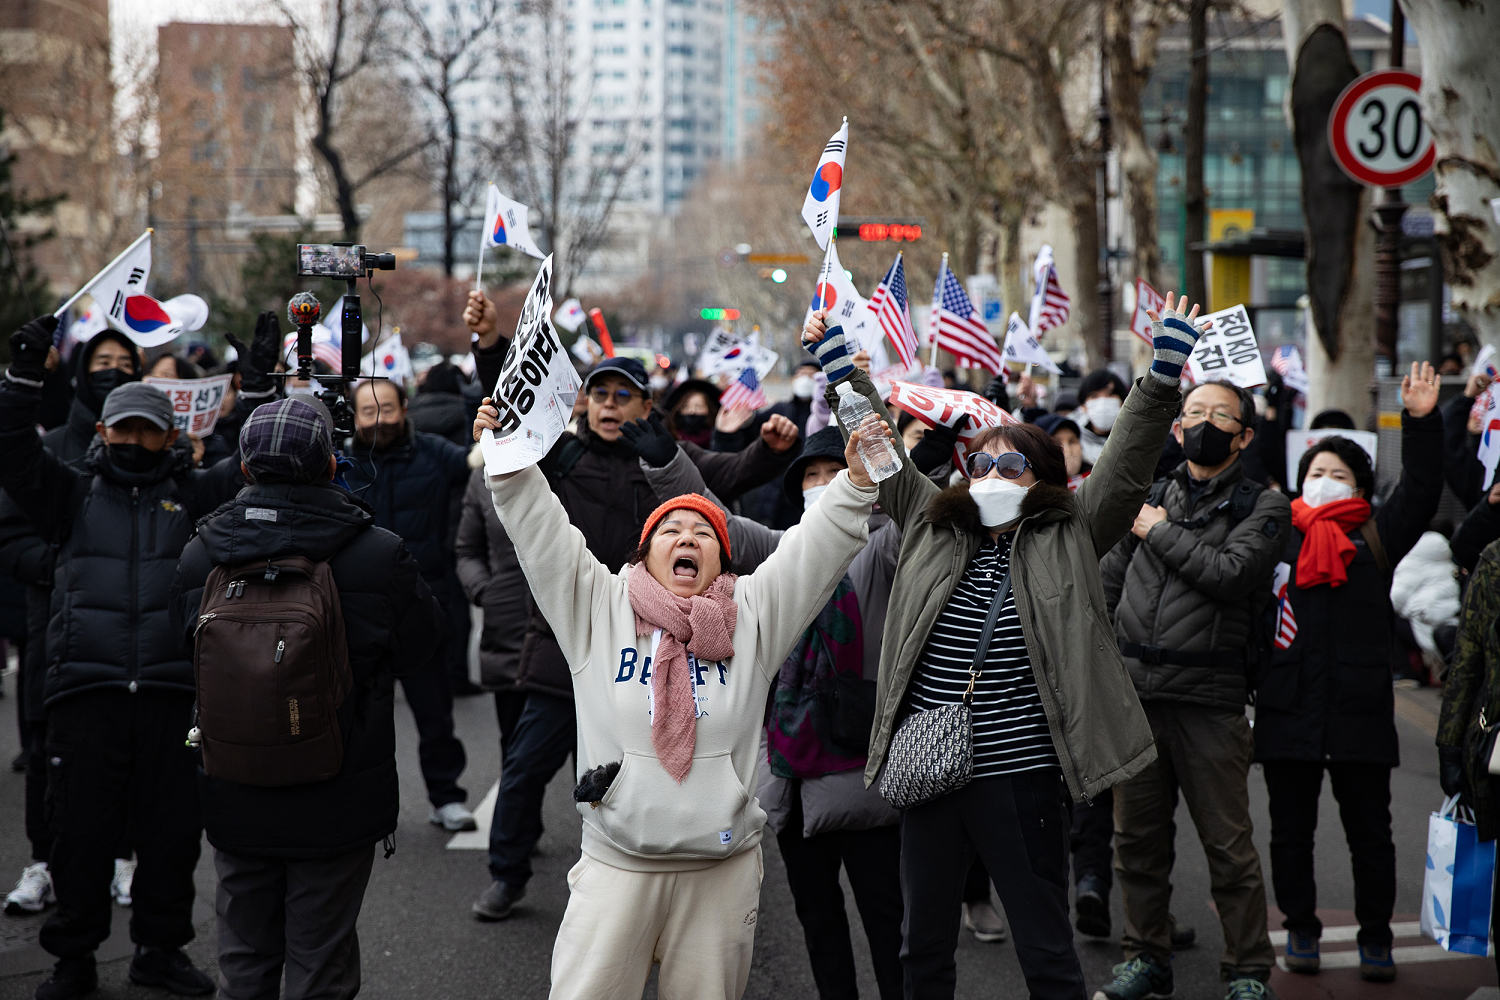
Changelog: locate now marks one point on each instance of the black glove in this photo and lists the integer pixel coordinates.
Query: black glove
(29, 346)
(650, 439)
(257, 360)
(1451, 771)
(997, 393)
(936, 446)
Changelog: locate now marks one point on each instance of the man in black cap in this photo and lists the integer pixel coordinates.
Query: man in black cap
(119, 689)
(290, 892)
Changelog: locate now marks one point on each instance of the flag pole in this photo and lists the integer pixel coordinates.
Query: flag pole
(90, 283)
(937, 299)
(479, 269)
(825, 272)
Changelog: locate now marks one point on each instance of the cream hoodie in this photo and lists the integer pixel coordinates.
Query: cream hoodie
(647, 821)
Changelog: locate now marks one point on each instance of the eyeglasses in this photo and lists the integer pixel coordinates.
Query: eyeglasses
(603, 394)
(1010, 465)
(1220, 418)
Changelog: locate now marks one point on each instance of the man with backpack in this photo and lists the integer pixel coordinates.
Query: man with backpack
(1189, 590)
(302, 613)
(118, 689)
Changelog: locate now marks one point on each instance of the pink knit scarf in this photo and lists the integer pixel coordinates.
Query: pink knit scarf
(703, 625)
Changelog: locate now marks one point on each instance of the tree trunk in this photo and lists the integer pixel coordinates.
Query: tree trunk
(1340, 238)
(1195, 202)
(1083, 215)
(1129, 72)
(1461, 104)
(343, 189)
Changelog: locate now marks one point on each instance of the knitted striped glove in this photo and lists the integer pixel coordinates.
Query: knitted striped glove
(833, 354)
(1172, 340)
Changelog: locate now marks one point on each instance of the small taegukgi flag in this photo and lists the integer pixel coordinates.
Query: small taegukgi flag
(505, 225)
(1050, 305)
(744, 393)
(889, 305)
(1022, 347)
(820, 208)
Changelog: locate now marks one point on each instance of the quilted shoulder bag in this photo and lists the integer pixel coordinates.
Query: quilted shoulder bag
(932, 752)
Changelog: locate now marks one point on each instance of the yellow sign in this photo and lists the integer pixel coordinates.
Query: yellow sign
(1228, 277)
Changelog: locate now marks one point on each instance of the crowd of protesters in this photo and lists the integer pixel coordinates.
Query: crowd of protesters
(723, 623)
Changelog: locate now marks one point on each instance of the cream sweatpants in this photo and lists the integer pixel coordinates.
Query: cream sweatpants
(700, 925)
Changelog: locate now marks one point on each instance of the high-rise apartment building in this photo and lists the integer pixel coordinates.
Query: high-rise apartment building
(58, 98)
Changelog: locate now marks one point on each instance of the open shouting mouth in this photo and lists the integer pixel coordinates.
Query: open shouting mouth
(685, 567)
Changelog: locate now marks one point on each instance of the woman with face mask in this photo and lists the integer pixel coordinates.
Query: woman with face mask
(690, 411)
(1102, 393)
(1055, 716)
(1324, 702)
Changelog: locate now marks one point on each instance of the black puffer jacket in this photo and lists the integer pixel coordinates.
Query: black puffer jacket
(392, 626)
(1194, 586)
(118, 536)
(1328, 695)
(414, 488)
(491, 577)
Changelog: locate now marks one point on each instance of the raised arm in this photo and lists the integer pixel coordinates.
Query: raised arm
(906, 494)
(1402, 518)
(790, 587)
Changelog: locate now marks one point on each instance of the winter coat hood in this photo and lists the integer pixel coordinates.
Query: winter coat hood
(277, 519)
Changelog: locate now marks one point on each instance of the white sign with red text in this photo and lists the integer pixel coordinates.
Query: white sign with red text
(195, 401)
(946, 407)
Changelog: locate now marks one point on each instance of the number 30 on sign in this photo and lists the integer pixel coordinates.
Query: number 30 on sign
(1377, 132)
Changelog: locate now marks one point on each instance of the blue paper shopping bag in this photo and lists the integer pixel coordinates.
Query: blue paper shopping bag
(1458, 883)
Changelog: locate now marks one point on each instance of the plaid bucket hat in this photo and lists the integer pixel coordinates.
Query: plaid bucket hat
(288, 441)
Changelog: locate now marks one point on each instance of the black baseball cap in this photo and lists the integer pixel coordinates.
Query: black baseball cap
(1054, 422)
(627, 368)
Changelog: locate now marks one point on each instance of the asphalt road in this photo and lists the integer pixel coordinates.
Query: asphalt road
(418, 938)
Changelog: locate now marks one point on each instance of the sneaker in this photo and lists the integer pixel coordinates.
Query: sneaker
(33, 892)
(1302, 953)
(1092, 906)
(1248, 988)
(1138, 979)
(1184, 936)
(452, 816)
(71, 978)
(1376, 964)
(168, 969)
(498, 901)
(119, 886)
(985, 922)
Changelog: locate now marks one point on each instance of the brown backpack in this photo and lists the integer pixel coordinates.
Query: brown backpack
(271, 663)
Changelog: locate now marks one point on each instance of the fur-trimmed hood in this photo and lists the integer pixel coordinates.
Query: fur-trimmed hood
(954, 508)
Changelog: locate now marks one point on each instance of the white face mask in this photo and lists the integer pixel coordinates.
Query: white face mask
(1102, 411)
(1325, 489)
(802, 387)
(811, 494)
(999, 500)
(659, 383)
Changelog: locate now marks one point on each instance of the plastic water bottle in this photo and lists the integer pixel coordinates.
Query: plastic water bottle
(875, 449)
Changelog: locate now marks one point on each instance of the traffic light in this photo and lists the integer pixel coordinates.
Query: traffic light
(714, 312)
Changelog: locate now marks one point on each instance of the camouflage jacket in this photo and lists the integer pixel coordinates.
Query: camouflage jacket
(1472, 688)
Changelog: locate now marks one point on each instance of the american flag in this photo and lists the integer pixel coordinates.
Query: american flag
(1286, 361)
(1286, 622)
(1050, 305)
(889, 306)
(958, 328)
(745, 392)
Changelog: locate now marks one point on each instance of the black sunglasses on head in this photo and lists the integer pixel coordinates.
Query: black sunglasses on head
(1010, 465)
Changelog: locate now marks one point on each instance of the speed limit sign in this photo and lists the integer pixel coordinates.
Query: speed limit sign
(1377, 132)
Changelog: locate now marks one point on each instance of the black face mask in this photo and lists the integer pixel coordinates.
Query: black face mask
(691, 423)
(105, 381)
(134, 457)
(1205, 444)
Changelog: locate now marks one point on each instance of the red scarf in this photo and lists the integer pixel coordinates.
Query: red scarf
(1326, 548)
(703, 624)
